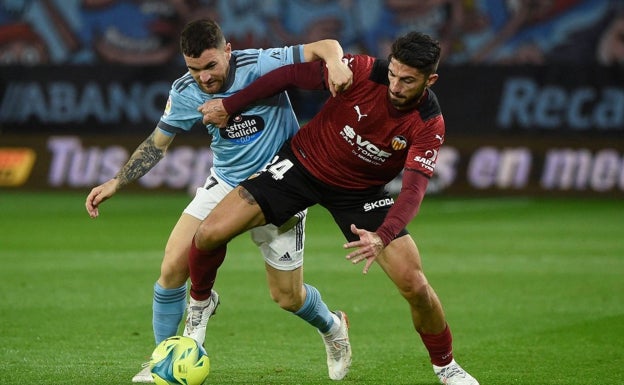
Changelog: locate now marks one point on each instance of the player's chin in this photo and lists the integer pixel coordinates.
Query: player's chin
(211, 88)
(397, 102)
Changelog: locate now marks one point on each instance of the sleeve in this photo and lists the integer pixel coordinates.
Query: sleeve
(273, 58)
(406, 207)
(309, 76)
(423, 153)
(180, 113)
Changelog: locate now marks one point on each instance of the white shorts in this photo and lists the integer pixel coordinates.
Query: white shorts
(281, 247)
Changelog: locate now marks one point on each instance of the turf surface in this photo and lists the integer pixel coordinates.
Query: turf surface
(533, 290)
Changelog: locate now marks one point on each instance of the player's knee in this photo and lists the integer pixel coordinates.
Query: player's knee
(414, 287)
(210, 237)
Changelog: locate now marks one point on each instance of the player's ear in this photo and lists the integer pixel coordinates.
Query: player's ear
(432, 79)
(228, 50)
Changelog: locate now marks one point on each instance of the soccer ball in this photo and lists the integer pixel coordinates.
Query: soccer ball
(179, 360)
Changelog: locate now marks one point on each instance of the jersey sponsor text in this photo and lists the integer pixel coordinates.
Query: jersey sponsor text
(363, 148)
(378, 204)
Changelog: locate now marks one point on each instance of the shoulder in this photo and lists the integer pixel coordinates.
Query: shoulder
(429, 108)
(379, 72)
(243, 58)
(366, 67)
(185, 93)
(183, 83)
(287, 54)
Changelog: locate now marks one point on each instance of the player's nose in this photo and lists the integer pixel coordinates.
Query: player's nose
(204, 76)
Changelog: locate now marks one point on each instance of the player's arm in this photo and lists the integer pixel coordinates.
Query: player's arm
(406, 206)
(328, 50)
(339, 76)
(144, 158)
(308, 76)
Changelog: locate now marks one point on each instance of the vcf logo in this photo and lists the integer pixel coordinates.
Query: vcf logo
(398, 143)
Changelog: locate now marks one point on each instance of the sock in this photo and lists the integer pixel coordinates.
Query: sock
(440, 346)
(203, 266)
(167, 311)
(314, 311)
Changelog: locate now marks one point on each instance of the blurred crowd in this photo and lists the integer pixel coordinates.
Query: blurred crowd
(145, 32)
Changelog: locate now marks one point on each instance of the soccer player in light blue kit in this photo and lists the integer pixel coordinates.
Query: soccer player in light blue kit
(246, 145)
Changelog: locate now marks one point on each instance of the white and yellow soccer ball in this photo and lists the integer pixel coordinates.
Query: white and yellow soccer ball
(179, 360)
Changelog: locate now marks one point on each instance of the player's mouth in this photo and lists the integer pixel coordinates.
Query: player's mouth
(394, 95)
(211, 86)
(396, 99)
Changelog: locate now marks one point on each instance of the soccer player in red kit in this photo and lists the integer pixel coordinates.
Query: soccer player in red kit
(388, 121)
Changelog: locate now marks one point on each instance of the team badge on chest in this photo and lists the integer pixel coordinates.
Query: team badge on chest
(399, 143)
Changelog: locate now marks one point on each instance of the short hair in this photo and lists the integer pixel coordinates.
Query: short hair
(417, 50)
(200, 35)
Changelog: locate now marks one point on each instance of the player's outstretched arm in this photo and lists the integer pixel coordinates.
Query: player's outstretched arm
(146, 156)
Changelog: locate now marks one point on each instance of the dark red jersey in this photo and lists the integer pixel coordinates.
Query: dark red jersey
(359, 140)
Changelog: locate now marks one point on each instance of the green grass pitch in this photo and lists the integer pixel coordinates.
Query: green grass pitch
(533, 290)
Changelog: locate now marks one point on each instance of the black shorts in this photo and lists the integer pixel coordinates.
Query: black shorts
(284, 188)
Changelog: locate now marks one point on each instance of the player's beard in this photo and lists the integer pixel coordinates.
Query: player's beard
(212, 87)
(402, 102)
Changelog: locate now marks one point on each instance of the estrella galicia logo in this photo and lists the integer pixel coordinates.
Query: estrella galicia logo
(243, 128)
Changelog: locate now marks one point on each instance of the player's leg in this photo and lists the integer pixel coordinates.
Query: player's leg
(278, 197)
(169, 296)
(200, 311)
(169, 300)
(402, 263)
(235, 214)
(283, 250)
(304, 301)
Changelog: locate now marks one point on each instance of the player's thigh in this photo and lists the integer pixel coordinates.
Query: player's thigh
(175, 261)
(401, 261)
(234, 215)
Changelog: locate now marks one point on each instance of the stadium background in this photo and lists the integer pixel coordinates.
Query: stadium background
(521, 236)
(532, 92)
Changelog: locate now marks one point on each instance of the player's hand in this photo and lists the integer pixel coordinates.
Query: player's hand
(214, 113)
(339, 77)
(368, 247)
(98, 195)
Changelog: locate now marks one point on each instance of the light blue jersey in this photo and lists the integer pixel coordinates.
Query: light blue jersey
(252, 137)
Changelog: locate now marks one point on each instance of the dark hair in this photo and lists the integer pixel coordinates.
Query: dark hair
(200, 35)
(417, 50)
